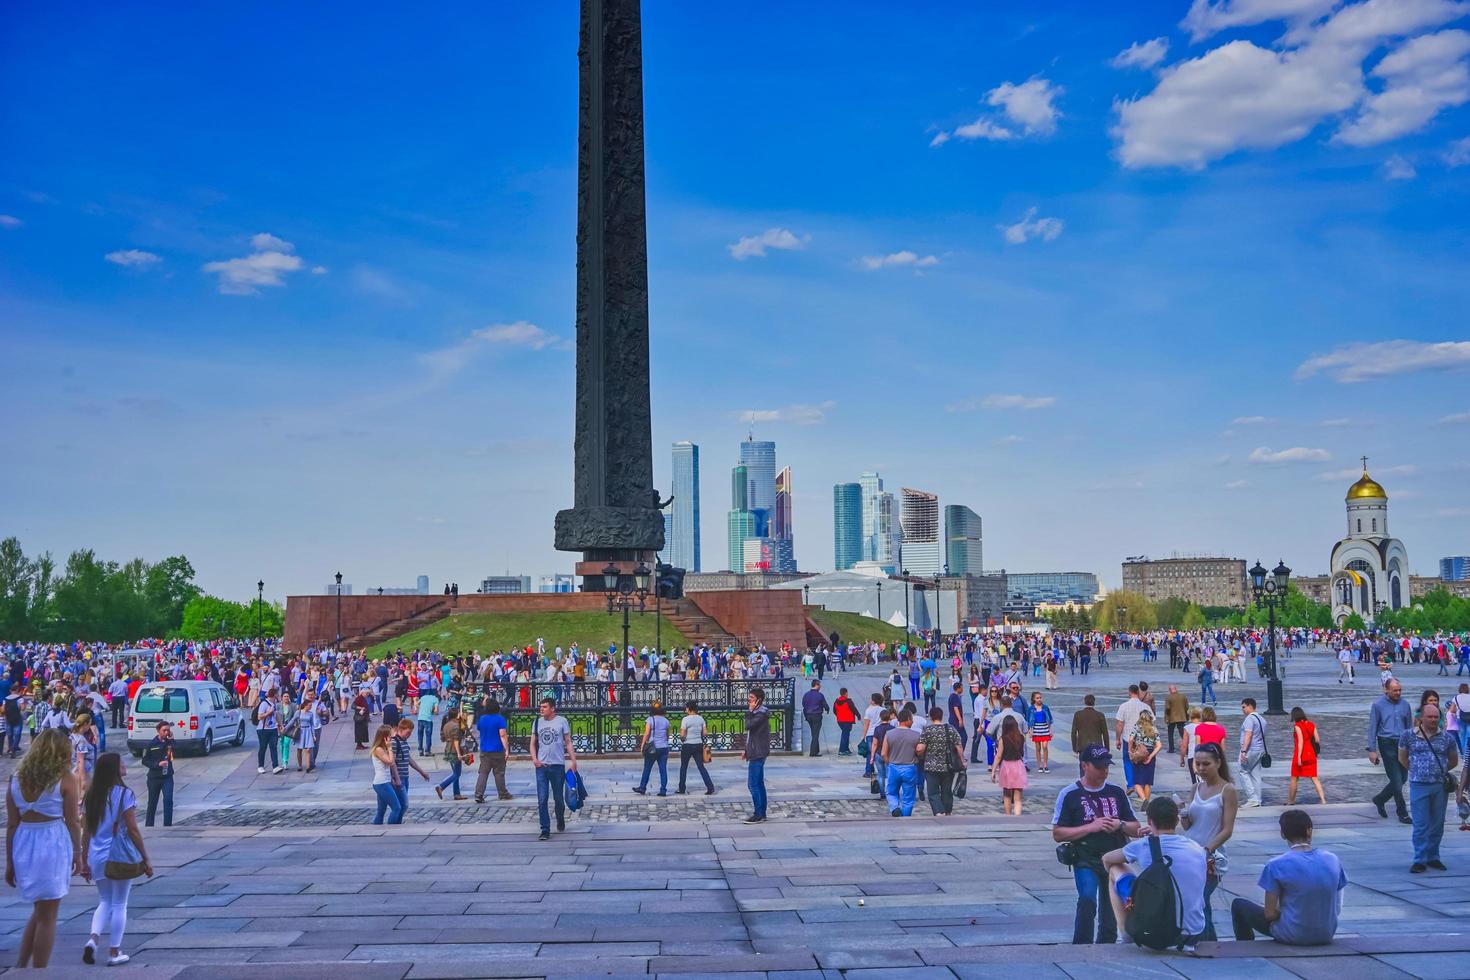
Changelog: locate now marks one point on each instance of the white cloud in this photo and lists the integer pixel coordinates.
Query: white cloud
(10, 221)
(1241, 96)
(1421, 77)
(1458, 153)
(1030, 226)
(1028, 109)
(754, 246)
(1028, 403)
(132, 258)
(1364, 362)
(266, 242)
(519, 335)
(1399, 167)
(1237, 484)
(1142, 54)
(1352, 473)
(1206, 17)
(794, 414)
(1009, 440)
(1337, 423)
(1296, 454)
(904, 258)
(1250, 420)
(318, 270)
(266, 266)
(1455, 419)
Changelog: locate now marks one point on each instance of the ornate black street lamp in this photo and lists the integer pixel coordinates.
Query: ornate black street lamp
(1269, 589)
(339, 611)
(260, 613)
(625, 592)
(908, 606)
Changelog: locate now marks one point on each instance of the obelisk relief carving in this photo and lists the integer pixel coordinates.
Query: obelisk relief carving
(616, 515)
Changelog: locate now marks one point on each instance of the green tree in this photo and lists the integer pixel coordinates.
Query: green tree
(1125, 610)
(1354, 622)
(207, 617)
(1171, 612)
(1193, 619)
(16, 574)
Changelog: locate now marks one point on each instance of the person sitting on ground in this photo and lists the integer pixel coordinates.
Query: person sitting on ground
(1303, 891)
(1186, 861)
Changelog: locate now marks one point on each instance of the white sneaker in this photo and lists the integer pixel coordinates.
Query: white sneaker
(118, 960)
(278, 770)
(260, 769)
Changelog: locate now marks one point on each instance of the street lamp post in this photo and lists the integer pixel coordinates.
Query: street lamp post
(339, 611)
(880, 599)
(260, 613)
(806, 595)
(938, 613)
(1269, 589)
(1122, 619)
(624, 592)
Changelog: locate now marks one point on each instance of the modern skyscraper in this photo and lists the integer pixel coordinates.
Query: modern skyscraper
(962, 540)
(740, 526)
(888, 533)
(768, 555)
(871, 485)
(781, 519)
(740, 488)
(847, 525)
(682, 547)
(919, 517)
(759, 459)
(1455, 568)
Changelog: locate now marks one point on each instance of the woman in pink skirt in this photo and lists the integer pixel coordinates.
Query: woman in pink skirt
(1010, 770)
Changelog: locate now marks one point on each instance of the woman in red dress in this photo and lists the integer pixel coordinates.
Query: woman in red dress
(1304, 752)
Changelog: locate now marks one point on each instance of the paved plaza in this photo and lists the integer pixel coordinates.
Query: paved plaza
(286, 870)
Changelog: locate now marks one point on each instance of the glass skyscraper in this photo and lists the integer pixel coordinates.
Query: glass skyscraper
(682, 547)
(962, 540)
(759, 459)
(847, 525)
(1455, 568)
(919, 516)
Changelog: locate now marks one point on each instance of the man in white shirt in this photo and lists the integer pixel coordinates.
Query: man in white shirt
(872, 715)
(1187, 862)
(1126, 717)
(1252, 747)
(1345, 665)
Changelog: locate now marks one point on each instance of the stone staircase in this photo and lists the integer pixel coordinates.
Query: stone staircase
(696, 626)
(398, 627)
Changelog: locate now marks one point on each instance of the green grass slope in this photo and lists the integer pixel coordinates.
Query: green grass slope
(504, 631)
(855, 627)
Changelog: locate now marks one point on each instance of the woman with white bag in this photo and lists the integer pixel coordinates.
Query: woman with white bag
(115, 854)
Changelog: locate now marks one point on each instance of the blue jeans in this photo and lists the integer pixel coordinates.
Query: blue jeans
(551, 780)
(1211, 883)
(426, 736)
(455, 768)
(1427, 802)
(660, 756)
(1093, 904)
(387, 802)
(902, 786)
(755, 780)
(1207, 692)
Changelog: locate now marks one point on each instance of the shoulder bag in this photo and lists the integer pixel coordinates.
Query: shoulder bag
(124, 862)
(1265, 752)
(1451, 787)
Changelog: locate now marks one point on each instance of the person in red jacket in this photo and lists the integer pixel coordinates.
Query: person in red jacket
(846, 714)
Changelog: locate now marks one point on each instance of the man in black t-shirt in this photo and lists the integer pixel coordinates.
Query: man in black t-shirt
(1093, 815)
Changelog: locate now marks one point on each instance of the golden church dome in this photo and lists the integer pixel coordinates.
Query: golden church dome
(1366, 487)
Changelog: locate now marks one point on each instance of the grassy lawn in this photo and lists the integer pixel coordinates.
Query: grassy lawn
(504, 631)
(855, 627)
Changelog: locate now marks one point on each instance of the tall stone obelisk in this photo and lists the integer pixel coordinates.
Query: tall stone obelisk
(616, 517)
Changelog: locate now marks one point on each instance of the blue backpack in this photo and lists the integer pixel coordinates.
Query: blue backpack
(576, 792)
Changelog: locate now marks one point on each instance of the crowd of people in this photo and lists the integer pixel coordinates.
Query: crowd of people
(940, 709)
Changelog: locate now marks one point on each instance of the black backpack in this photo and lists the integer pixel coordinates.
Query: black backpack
(1158, 908)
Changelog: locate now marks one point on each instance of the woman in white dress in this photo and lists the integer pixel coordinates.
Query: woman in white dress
(109, 808)
(42, 839)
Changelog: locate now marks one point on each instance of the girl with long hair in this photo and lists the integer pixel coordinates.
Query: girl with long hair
(1010, 769)
(1304, 751)
(1209, 819)
(42, 838)
(1143, 748)
(109, 808)
(385, 777)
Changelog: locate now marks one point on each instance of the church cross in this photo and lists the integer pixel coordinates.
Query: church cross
(1365, 464)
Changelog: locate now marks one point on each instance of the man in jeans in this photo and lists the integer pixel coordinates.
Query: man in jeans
(1430, 756)
(1252, 747)
(266, 725)
(757, 748)
(551, 753)
(1094, 815)
(494, 748)
(813, 707)
(1389, 718)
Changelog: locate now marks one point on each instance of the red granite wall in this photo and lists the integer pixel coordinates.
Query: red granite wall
(769, 616)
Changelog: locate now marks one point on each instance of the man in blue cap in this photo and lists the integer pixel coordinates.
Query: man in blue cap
(1094, 817)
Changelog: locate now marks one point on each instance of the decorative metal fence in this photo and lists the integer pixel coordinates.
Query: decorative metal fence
(607, 718)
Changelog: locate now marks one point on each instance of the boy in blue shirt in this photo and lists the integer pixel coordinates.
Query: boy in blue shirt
(494, 750)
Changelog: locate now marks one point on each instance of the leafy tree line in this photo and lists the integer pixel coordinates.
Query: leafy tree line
(1131, 611)
(91, 599)
(1434, 610)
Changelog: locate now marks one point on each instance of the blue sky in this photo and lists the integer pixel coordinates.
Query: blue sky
(290, 289)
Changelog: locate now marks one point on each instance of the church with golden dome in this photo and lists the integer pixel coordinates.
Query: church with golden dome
(1370, 570)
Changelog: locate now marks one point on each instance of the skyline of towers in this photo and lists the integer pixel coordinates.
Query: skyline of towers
(682, 546)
